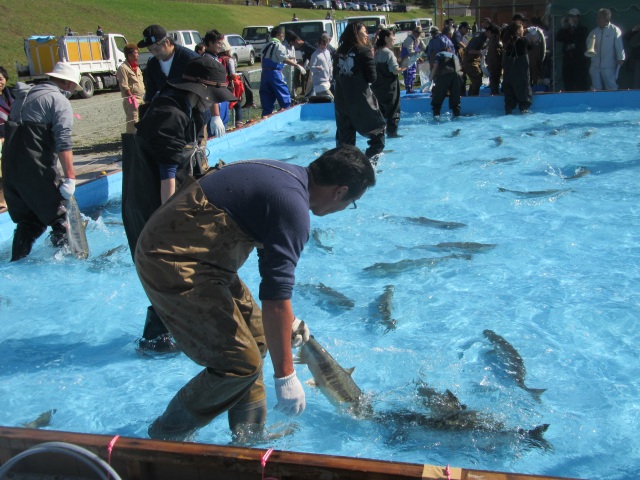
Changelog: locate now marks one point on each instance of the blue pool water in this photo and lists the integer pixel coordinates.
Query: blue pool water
(561, 285)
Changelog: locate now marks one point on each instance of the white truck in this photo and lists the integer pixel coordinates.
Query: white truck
(97, 58)
(258, 36)
(310, 31)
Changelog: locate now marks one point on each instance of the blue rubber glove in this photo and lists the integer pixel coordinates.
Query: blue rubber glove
(290, 395)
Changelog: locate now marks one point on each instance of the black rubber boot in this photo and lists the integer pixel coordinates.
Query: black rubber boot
(58, 235)
(24, 237)
(156, 339)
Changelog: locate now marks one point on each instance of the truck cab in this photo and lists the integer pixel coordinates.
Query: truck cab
(310, 31)
(371, 22)
(258, 36)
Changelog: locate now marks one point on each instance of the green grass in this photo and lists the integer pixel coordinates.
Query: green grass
(21, 19)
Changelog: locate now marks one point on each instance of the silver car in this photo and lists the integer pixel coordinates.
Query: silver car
(241, 51)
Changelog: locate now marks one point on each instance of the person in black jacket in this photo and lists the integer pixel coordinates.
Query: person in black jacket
(575, 66)
(152, 173)
(515, 64)
(356, 107)
(168, 62)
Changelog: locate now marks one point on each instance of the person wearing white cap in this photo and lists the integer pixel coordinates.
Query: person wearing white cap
(575, 66)
(607, 53)
(38, 133)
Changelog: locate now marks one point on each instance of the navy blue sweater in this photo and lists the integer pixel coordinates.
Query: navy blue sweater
(270, 201)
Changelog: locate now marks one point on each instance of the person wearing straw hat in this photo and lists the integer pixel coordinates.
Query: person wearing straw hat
(174, 119)
(575, 66)
(37, 135)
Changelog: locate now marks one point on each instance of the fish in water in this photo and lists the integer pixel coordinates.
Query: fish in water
(307, 137)
(114, 250)
(511, 361)
(587, 133)
(401, 266)
(499, 141)
(327, 294)
(469, 421)
(579, 172)
(334, 381)
(76, 226)
(556, 131)
(384, 307)
(468, 247)
(455, 133)
(440, 404)
(500, 160)
(43, 420)
(536, 193)
(427, 222)
(317, 234)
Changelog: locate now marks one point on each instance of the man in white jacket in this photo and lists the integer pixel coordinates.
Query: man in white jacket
(609, 53)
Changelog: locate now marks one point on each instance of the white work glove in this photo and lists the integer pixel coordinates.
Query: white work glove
(299, 333)
(217, 127)
(302, 70)
(290, 395)
(68, 188)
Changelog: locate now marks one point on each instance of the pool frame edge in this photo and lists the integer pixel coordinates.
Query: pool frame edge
(143, 459)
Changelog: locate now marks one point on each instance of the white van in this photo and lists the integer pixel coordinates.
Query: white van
(258, 36)
(310, 31)
(369, 21)
(186, 38)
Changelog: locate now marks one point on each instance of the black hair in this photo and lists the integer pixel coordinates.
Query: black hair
(275, 31)
(382, 37)
(349, 37)
(345, 165)
(4, 73)
(212, 36)
(493, 29)
(290, 36)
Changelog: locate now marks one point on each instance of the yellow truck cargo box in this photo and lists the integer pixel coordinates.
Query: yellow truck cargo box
(44, 52)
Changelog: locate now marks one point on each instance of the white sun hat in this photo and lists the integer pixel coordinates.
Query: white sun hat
(66, 71)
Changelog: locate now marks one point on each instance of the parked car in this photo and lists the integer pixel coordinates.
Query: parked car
(337, 5)
(241, 51)
(323, 4)
(365, 7)
(352, 6)
(303, 4)
(398, 7)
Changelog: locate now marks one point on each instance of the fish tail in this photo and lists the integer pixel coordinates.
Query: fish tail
(536, 392)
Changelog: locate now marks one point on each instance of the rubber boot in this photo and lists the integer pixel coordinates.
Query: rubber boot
(436, 111)
(156, 339)
(247, 422)
(58, 235)
(24, 237)
(376, 144)
(177, 423)
(456, 111)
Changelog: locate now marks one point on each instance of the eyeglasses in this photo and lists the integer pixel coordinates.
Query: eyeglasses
(353, 205)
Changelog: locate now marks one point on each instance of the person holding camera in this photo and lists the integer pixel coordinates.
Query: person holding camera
(575, 66)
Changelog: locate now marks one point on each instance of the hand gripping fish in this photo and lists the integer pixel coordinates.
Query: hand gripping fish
(334, 381)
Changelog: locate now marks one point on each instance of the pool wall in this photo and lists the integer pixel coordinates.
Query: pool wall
(98, 192)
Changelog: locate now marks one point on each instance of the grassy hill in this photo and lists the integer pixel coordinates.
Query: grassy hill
(21, 19)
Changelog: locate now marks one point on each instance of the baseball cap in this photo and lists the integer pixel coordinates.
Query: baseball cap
(574, 12)
(152, 34)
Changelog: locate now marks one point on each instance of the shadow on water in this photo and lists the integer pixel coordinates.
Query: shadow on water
(57, 351)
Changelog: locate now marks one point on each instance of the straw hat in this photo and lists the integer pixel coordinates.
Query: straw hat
(66, 71)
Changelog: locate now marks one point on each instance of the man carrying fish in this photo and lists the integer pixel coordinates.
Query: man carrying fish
(37, 135)
(188, 257)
